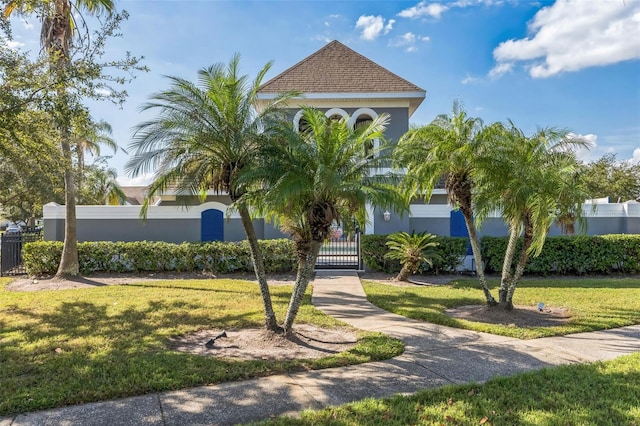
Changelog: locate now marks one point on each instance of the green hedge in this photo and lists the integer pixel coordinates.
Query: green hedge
(576, 255)
(451, 250)
(42, 258)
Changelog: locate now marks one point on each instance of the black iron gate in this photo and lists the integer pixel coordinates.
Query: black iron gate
(11, 251)
(341, 253)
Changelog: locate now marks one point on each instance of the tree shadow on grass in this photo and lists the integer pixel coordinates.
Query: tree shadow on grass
(81, 352)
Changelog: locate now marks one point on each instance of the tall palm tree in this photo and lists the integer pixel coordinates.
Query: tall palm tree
(316, 178)
(446, 148)
(91, 137)
(91, 140)
(532, 181)
(203, 137)
(100, 187)
(56, 37)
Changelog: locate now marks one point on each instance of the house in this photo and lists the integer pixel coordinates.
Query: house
(340, 82)
(336, 80)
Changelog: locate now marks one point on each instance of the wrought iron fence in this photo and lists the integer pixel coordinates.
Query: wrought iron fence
(11, 251)
(341, 253)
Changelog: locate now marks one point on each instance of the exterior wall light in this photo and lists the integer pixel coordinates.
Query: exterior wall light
(386, 215)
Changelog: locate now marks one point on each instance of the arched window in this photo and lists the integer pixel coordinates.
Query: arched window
(362, 117)
(365, 120)
(336, 114)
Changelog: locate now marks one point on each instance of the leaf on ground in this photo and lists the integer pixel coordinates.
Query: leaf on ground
(484, 420)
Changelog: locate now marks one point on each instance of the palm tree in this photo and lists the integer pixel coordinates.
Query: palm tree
(94, 136)
(316, 178)
(532, 181)
(91, 136)
(56, 38)
(447, 147)
(203, 137)
(100, 186)
(411, 250)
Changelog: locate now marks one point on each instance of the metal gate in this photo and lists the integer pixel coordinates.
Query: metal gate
(11, 252)
(343, 252)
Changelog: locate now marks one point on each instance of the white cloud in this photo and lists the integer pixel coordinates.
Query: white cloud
(409, 38)
(586, 154)
(635, 157)
(572, 35)
(469, 79)
(424, 9)
(12, 44)
(389, 26)
(408, 41)
(323, 38)
(142, 180)
(500, 69)
(104, 92)
(371, 26)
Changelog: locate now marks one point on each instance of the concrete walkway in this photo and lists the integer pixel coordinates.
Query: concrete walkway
(434, 356)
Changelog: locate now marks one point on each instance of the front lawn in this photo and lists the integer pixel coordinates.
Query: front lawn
(75, 346)
(594, 303)
(602, 393)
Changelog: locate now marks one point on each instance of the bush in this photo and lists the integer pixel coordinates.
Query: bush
(42, 258)
(572, 255)
(450, 249)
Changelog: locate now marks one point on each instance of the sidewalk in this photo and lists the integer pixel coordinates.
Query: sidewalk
(434, 356)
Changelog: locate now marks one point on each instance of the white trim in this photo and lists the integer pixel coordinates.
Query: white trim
(348, 103)
(362, 111)
(601, 211)
(353, 95)
(430, 210)
(174, 192)
(369, 227)
(369, 112)
(56, 211)
(333, 111)
(296, 120)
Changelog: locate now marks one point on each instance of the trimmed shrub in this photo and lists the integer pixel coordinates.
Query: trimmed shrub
(450, 249)
(42, 258)
(572, 255)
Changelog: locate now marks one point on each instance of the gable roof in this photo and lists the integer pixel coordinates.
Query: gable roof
(337, 69)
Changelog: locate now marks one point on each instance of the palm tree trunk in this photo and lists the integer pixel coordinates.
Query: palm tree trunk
(270, 320)
(306, 265)
(477, 254)
(522, 262)
(69, 265)
(58, 49)
(514, 233)
(404, 273)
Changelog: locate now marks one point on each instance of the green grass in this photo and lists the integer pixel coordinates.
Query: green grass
(74, 346)
(602, 393)
(594, 303)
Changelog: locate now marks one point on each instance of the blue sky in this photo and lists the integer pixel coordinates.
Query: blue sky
(570, 64)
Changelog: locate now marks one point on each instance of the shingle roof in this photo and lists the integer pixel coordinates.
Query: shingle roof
(337, 69)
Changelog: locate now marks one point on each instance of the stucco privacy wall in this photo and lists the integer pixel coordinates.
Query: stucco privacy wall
(177, 224)
(601, 219)
(164, 223)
